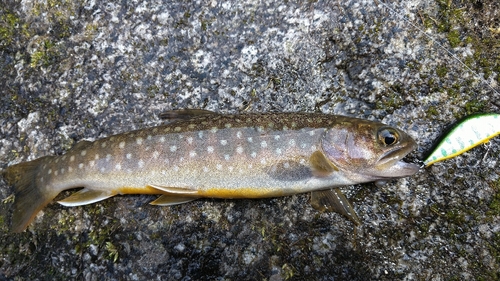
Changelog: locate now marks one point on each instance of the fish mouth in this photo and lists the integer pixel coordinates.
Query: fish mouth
(391, 165)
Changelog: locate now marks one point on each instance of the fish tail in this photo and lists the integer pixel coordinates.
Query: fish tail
(30, 197)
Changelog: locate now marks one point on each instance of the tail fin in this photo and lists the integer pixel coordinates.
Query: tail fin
(30, 197)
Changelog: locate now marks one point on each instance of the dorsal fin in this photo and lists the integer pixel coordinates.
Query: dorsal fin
(82, 145)
(185, 114)
(321, 166)
(334, 200)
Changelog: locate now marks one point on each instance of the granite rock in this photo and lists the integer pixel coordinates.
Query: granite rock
(74, 70)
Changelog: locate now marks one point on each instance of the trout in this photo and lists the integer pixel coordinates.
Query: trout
(203, 154)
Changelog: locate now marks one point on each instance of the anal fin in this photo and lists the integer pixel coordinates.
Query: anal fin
(334, 200)
(174, 190)
(170, 200)
(85, 196)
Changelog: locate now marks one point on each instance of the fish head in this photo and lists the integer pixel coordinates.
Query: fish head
(368, 151)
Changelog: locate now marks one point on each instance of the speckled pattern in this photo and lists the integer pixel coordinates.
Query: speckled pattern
(86, 70)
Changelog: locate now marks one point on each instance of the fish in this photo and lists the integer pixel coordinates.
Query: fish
(468, 133)
(203, 154)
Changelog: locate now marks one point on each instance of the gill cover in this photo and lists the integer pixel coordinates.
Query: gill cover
(369, 150)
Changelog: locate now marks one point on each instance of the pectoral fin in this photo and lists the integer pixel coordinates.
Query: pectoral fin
(334, 200)
(85, 196)
(174, 190)
(170, 200)
(321, 166)
(185, 114)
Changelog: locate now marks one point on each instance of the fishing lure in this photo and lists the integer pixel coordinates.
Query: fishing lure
(470, 132)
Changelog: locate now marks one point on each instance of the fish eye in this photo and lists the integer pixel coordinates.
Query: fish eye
(388, 136)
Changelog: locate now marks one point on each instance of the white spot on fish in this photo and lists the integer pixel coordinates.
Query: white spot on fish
(286, 165)
(173, 148)
(239, 149)
(129, 156)
(190, 140)
(213, 130)
(62, 171)
(72, 158)
(70, 169)
(92, 163)
(219, 167)
(191, 126)
(311, 133)
(226, 156)
(263, 161)
(96, 157)
(192, 153)
(254, 154)
(149, 137)
(277, 137)
(303, 146)
(83, 153)
(313, 148)
(238, 134)
(49, 171)
(302, 161)
(263, 144)
(156, 154)
(103, 144)
(64, 157)
(118, 167)
(223, 142)
(162, 139)
(278, 151)
(230, 168)
(260, 129)
(285, 128)
(250, 166)
(121, 145)
(108, 157)
(228, 125)
(200, 134)
(55, 173)
(250, 139)
(176, 168)
(41, 179)
(57, 160)
(177, 129)
(210, 149)
(291, 142)
(103, 170)
(80, 166)
(139, 140)
(205, 169)
(140, 164)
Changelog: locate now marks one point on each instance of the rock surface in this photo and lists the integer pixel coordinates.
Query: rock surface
(74, 70)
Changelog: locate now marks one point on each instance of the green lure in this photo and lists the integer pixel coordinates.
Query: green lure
(470, 132)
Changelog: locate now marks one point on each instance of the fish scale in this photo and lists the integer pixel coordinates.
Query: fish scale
(204, 154)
